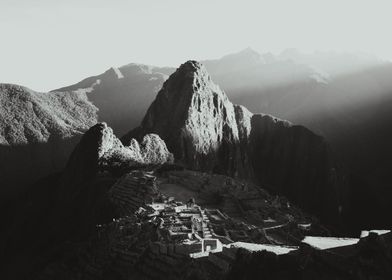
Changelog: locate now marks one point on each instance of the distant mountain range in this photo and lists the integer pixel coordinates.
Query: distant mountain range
(206, 132)
(345, 98)
(105, 180)
(81, 189)
(123, 94)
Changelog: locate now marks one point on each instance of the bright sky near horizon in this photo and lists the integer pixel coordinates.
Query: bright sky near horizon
(46, 44)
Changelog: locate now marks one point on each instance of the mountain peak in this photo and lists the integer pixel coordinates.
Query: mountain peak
(189, 80)
(194, 70)
(190, 65)
(192, 114)
(205, 131)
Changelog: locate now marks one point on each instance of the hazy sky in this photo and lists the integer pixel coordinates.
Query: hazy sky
(46, 44)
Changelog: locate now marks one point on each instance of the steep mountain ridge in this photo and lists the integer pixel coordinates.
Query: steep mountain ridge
(274, 84)
(28, 116)
(123, 94)
(205, 131)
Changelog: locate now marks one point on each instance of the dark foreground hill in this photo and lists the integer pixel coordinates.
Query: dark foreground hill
(96, 220)
(83, 221)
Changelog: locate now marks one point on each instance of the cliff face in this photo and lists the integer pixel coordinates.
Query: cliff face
(205, 131)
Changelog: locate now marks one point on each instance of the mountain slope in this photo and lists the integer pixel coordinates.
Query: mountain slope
(37, 132)
(205, 131)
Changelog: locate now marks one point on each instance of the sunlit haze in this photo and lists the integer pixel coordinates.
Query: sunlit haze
(46, 44)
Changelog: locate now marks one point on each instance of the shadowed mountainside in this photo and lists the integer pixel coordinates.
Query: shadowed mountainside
(67, 206)
(65, 213)
(352, 112)
(38, 131)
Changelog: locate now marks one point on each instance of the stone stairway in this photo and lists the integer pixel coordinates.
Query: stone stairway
(206, 229)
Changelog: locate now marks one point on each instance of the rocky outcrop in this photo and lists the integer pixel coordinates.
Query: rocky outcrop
(152, 150)
(205, 131)
(38, 131)
(101, 149)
